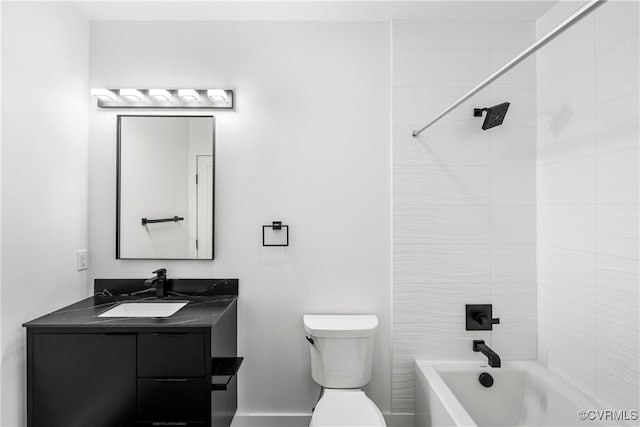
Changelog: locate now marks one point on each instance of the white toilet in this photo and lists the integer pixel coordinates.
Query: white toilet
(341, 348)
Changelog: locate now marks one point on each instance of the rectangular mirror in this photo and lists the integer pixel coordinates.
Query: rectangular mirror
(165, 189)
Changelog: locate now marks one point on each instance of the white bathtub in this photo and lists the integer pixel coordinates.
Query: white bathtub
(523, 394)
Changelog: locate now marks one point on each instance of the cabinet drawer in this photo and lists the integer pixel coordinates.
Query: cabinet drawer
(171, 423)
(170, 355)
(176, 400)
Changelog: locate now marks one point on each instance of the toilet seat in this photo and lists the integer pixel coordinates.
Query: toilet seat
(346, 408)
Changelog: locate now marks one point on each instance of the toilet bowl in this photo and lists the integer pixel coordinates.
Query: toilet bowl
(341, 351)
(346, 408)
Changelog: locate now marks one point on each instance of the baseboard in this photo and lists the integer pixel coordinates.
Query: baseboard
(271, 420)
(302, 420)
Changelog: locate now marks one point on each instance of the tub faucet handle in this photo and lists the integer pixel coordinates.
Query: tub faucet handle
(479, 317)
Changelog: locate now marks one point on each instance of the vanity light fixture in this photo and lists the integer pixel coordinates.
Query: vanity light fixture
(160, 95)
(133, 95)
(189, 95)
(103, 94)
(217, 95)
(173, 99)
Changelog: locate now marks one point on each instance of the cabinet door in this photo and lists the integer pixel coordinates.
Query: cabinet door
(82, 380)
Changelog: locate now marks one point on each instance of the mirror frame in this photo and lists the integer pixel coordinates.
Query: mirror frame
(119, 183)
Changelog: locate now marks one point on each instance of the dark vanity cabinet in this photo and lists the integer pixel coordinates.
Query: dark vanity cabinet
(95, 373)
(102, 376)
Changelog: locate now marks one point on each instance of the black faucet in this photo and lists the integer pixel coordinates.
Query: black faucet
(158, 282)
(494, 359)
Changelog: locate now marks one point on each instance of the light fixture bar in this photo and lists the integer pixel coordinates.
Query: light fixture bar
(205, 99)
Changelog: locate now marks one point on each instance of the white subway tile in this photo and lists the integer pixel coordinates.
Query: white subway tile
(514, 302)
(617, 176)
(514, 35)
(552, 17)
(454, 146)
(441, 224)
(617, 283)
(513, 263)
(440, 34)
(567, 226)
(513, 224)
(617, 335)
(617, 230)
(443, 341)
(615, 21)
(566, 138)
(446, 302)
(574, 272)
(570, 359)
(617, 70)
(522, 75)
(569, 49)
(514, 340)
(416, 106)
(513, 146)
(617, 123)
(440, 67)
(402, 383)
(456, 185)
(513, 185)
(567, 94)
(571, 315)
(567, 182)
(617, 382)
(441, 264)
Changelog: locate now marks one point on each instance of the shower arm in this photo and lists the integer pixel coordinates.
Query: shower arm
(568, 22)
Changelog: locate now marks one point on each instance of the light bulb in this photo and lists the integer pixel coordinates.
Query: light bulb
(103, 94)
(217, 95)
(189, 95)
(133, 95)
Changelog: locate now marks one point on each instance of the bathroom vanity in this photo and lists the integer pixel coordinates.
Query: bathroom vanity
(86, 370)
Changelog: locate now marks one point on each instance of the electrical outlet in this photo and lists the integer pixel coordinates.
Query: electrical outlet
(83, 259)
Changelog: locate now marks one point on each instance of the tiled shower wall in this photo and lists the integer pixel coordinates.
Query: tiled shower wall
(464, 198)
(588, 202)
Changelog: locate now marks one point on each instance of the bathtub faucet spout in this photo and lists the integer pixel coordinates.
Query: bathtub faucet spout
(494, 359)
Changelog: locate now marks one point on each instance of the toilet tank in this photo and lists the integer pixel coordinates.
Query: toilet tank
(341, 348)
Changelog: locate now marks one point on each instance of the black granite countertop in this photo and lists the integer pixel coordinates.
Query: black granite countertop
(208, 299)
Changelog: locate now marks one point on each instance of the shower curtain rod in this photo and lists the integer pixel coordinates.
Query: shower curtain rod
(572, 19)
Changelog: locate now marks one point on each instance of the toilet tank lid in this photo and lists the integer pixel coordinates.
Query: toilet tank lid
(340, 325)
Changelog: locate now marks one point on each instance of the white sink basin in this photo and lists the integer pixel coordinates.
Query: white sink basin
(144, 309)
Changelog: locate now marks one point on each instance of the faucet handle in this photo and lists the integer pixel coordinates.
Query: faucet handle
(161, 272)
(479, 317)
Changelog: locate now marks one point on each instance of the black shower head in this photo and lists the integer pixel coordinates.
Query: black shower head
(495, 115)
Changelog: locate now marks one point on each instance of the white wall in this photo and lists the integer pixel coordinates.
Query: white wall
(44, 176)
(1, 209)
(464, 198)
(588, 202)
(308, 144)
